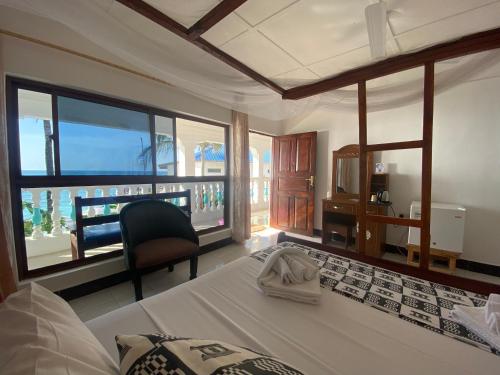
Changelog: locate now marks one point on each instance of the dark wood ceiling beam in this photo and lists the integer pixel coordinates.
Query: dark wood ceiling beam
(168, 23)
(219, 12)
(466, 45)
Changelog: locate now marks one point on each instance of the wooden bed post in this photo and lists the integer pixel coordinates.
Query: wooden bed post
(425, 144)
(425, 231)
(363, 197)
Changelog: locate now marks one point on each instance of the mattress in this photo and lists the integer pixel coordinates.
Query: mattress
(339, 336)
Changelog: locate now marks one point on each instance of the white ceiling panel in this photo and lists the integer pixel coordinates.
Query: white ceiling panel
(313, 30)
(341, 63)
(187, 13)
(256, 51)
(406, 15)
(349, 60)
(230, 27)
(481, 19)
(256, 11)
(295, 77)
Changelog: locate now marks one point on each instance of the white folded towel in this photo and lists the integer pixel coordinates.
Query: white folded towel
(492, 313)
(483, 321)
(307, 289)
(303, 268)
(283, 270)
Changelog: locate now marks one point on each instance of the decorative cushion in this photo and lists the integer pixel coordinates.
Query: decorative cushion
(41, 334)
(161, 250)
(164, 354)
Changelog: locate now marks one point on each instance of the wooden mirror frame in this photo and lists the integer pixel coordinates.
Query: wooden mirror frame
(349, 152)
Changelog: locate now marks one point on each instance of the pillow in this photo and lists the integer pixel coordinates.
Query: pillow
(164, 354)
(41, 334)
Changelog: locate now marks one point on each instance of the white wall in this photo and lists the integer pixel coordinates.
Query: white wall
(466, 159)
(266, 126)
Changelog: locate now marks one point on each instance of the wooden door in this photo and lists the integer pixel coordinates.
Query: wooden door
(294, 174)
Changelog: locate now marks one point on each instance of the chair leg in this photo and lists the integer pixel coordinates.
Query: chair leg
(170, 268)
(193, 267)
(136, 279)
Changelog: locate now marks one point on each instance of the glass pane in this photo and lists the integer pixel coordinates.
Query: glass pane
(35, 133)
(207, 201)
(49, 220)
(90, 133)
(200, 149)
(164, 127)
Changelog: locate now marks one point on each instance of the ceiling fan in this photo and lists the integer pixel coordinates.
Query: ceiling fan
(376, 24)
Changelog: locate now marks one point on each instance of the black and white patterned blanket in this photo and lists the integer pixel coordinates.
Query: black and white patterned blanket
(418, 301)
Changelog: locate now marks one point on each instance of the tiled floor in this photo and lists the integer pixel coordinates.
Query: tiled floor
(95, 304)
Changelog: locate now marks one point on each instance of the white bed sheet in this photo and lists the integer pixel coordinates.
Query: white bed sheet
(339, 336)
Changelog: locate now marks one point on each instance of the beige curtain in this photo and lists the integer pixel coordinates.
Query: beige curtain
(241, 178)
(7, 281)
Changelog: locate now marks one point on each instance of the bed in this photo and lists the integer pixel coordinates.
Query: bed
(339, 336)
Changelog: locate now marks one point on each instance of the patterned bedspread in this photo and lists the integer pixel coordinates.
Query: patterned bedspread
(418, 301)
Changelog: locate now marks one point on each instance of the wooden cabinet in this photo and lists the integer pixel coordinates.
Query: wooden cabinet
(338, 211)
(341, 212)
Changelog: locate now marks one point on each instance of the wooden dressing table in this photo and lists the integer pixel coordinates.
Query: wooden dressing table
(341, 211)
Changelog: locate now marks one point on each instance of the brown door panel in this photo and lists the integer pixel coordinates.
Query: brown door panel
(292, 198)
(301, 209)
(283, 211)
(292, 184)
(303, 163)
(285, 148)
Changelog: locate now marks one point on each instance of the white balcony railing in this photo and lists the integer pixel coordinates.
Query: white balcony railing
(260, 190)
(45, 234)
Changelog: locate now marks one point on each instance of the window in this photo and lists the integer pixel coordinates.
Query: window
(89, 133)
(36, 133)
(66, 143)
(165, 146)
(201, 149)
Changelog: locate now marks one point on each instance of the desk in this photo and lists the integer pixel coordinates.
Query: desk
(346, 210)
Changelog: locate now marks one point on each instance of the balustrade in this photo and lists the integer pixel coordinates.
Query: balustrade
(44, 236)
(259, 193)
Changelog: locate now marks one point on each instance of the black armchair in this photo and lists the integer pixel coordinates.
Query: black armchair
(156, 234)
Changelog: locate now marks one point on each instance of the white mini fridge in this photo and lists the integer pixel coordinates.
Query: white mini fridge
(447, 226)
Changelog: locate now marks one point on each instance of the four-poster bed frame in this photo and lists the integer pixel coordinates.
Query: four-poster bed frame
(470, 44)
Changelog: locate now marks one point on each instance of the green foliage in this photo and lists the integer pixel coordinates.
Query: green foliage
(28, 228)
(47, 223)
(164, 144)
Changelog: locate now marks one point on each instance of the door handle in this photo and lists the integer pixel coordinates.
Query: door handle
(311, 181)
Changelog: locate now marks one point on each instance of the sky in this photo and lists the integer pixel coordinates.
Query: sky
(86, 147)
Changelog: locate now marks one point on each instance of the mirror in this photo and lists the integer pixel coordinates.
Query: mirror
(347, 175)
